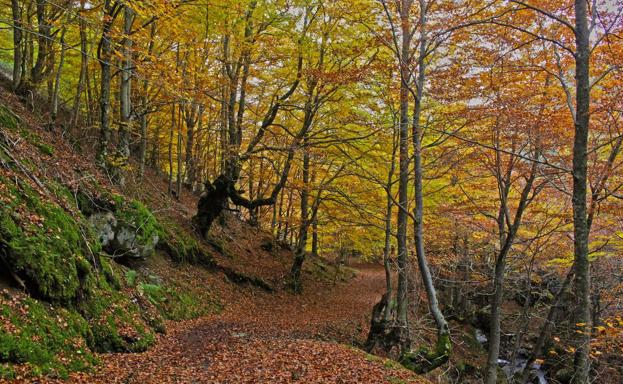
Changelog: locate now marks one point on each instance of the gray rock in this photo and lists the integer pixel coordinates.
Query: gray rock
(120, 239)
(104, 224)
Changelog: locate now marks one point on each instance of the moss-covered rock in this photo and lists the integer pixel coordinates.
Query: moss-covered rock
(425, 360)
(126, 229)
(42, 243)
(116, 320)
(78, 301)
(47, 245)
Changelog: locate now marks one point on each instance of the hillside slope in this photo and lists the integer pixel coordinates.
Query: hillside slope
(88, 269)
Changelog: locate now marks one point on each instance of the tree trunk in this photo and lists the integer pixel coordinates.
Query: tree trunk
(59, 71)
(104, 56)
(178, 178)
(299, 256)
(403, 181)
(388, 250)
(41, 68)
(441, 352)
(83, 68)
(171, 130)
(315, 240)
(496, 304)
(145, 109)
(211, 204)
(125, 92)
(580, 223)
(17, 43)
(508, 237)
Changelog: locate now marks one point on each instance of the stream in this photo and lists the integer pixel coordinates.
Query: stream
(510, 369)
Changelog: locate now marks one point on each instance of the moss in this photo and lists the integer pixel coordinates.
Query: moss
(7, 371)
(396, 380)
(116, 321)
(8, 119)
(45, 149)
(136, 215)
(425, 360)
(130, 277)
(154, 292)
(322, 271)
(50, 339)
(182, 247)
(179, 303)
(110, 276)
(42, 243)
(183, 305)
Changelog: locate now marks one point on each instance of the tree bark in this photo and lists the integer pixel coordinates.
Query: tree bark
(580, 223)
(388, 250)
(41, 68)
(84, 62)
(441, 352)
(59, 71)
(299, 255)
(403, 180)
(508, 236)
(125, 101)
(17, 44)
(105, 55)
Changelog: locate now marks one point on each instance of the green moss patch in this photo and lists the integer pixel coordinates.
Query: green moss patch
(8, 119)
(50, 339)
(183, 247)
(42, 243)
(176, 300)
(118, 322)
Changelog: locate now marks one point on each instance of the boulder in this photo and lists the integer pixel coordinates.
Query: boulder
(122, 238)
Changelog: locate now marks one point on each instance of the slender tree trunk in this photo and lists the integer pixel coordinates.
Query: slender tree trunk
(403, 181)
(387, 245)
(91, 105)
(83, 68)
(299, 255)
(17, 43)
(193, 115)
(125, 100)
(288, 227)
(442, 349)
(59, 71)
(171, 130)
(315, 239)
(154, 156)
(29, 49)
(105, 55)
(500, 265)
(41, 69)
(145, 108)
(178, 178)
(496, 303)
(582, 279)
(280, 217)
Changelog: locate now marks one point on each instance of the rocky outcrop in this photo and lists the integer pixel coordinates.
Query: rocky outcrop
(122, 239)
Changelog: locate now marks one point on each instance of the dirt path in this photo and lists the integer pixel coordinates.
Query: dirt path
(267, 338)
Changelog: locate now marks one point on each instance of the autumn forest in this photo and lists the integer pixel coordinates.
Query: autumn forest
(311, 191)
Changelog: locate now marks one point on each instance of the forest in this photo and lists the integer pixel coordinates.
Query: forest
(311, 191)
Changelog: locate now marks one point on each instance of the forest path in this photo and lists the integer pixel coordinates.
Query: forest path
(268, 338)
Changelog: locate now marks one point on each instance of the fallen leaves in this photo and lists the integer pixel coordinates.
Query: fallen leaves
(265, 338)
